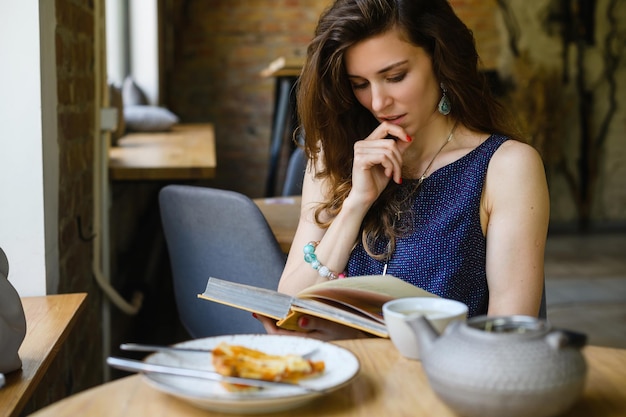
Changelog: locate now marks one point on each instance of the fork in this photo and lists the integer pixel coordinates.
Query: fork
(131, 365)
(139, 347)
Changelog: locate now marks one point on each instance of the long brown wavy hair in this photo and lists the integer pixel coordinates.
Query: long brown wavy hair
(332, 119)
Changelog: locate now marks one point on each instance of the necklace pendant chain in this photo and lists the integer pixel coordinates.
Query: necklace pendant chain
(448, 139)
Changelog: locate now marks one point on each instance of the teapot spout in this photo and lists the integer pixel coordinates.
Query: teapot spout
(424, 331)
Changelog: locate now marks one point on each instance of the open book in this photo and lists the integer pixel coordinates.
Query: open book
(356, 302)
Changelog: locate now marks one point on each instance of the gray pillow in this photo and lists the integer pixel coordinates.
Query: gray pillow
(131, 93)
(148, 118)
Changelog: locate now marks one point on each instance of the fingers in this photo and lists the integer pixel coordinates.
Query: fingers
(388, 130)
(377, 160)
(312, 327)
(386, 153)
(327, 330)
(268, 323)
(391, 151)
(271, 328)
(372, 155)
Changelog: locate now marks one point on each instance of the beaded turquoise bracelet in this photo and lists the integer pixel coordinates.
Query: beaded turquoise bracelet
(311, 258)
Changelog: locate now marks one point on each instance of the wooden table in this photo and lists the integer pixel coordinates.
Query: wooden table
(186, 152)
(48, 322)
(282, 214)
(387, 385)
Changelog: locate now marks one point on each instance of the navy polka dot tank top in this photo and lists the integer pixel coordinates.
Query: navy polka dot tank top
(445, 252)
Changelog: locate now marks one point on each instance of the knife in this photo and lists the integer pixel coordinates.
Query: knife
(139, 347)
(139, 366)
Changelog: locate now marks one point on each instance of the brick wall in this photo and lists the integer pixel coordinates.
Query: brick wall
(214, 51)
(214, 55)
(78, 365)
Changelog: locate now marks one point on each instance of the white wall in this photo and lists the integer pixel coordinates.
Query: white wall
(144, 51)
(22, 217)
(50, 141)
(141, 41)
(115, 37)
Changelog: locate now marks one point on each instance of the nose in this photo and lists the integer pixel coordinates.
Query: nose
(380, 98)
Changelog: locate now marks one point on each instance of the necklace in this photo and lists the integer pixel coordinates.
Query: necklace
(448, 139)
(422, 177)
(420, 180)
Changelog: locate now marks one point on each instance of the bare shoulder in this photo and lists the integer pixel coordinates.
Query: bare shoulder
(516, 152)
(516, 172)
(516, 158)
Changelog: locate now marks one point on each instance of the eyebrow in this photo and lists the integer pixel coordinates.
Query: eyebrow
(383, 70)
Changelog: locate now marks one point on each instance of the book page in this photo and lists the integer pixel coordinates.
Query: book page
(336, 314)
(366, 294)
(383, 284)
(364, 302)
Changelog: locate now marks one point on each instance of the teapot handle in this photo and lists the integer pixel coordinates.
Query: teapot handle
(560, 338)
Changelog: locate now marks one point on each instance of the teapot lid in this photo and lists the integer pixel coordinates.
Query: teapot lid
(509, 324)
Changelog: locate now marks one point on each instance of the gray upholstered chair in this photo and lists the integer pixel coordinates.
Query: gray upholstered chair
(219, 233)
(295, 173)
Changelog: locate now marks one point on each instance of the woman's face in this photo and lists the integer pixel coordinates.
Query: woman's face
(394, 80)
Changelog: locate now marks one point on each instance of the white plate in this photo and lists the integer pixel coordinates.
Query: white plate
(341, 366)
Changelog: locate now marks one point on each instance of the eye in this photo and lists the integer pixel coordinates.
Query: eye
(359, 86)
(397, 78)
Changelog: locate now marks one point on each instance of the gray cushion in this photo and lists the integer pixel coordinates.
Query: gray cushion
(131, 93)
(148, 118)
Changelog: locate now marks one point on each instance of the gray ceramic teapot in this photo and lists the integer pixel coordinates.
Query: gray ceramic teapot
(502, 366)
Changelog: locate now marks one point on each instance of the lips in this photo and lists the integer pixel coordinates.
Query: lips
(392, 119)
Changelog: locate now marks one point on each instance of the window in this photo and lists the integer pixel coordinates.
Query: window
(133, 44)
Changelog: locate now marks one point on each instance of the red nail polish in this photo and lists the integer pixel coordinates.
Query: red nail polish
(254, 315)
(400, 182)
(304, 321)
(408, 138)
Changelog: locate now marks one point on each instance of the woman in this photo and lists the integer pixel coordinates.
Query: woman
(414, 170)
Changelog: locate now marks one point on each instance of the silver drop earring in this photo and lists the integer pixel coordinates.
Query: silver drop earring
(444, 105)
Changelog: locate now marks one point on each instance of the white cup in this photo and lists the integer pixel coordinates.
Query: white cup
(438, 311)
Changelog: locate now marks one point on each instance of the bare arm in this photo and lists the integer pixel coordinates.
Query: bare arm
(335, 243)
(516, 212)
(376, 162)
